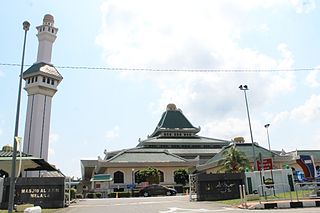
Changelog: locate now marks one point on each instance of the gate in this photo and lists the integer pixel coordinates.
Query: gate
(193, 185)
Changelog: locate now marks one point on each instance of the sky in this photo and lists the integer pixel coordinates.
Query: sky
(98, 109)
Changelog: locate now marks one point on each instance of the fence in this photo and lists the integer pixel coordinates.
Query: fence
(300, 191)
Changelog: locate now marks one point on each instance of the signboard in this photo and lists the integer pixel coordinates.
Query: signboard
(306, 163)
(47, 192)
(265, 165)
(131, 186)
(211, 187)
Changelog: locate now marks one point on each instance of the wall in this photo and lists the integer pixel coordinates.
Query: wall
(168, 173)
(280, 177)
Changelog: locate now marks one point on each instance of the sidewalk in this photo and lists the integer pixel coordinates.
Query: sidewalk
(283, 204)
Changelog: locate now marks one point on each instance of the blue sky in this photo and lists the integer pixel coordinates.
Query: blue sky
(100, 109)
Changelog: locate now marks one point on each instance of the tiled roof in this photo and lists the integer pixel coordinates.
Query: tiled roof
(44, 68)
(143, 155)
(185, 140)
(246, 148)
(30, 163)
(10, 154)
(315, 153)
(173, 119)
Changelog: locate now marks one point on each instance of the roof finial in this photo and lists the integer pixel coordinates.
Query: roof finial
(171, 106)
(48, 20)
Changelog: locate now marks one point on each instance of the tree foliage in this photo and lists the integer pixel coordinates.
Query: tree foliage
(181, 176)
(150, 175)
(235, 161)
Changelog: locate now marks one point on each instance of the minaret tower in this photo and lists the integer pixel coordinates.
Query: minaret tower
(42, 79)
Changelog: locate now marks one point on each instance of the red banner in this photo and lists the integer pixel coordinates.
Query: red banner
(266, 164)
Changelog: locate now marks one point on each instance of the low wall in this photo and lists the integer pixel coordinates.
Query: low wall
(219, 186)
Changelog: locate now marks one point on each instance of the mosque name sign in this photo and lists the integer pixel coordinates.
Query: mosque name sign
(40, 192)
(47, 192)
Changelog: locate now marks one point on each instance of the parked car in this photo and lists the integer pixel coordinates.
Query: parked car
(154, 190)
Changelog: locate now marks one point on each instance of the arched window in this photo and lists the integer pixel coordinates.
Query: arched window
(161, 176)
(118, 177)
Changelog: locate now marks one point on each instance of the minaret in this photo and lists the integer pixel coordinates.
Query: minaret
(42, 79)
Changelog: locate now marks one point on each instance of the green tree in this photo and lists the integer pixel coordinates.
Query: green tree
(181, 176)
(150, 175)
(235, 161)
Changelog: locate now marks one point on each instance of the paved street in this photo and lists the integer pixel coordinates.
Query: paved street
(176, 204)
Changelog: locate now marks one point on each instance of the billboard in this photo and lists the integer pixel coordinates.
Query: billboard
(307, 165)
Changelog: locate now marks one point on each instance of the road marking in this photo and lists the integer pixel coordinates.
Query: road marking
(121, 204)
(181, 210)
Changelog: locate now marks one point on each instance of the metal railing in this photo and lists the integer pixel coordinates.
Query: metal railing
(300, 191)
(307, 190)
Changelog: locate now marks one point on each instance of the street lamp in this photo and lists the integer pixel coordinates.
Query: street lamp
(271, 171)
(245, 88)
(26, 26)
(267, 126)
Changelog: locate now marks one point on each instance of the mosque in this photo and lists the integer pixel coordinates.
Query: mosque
(175, 143)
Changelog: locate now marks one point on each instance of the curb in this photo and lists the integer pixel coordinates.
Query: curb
(286, 205)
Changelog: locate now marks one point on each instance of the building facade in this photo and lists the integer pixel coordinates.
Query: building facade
(174, 144)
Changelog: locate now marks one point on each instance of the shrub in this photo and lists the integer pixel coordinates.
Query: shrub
(73, 193)
(94, 195)
(123, 194)
(79, 196)
(90, 195)
(98, 195)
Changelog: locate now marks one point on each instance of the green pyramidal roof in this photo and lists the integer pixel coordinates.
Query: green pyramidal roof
(174, 119)
(42, 68)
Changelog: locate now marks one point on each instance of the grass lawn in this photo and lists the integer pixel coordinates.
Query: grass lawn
(278, 196)
(236, 202)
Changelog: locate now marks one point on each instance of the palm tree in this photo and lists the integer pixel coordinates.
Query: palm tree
(235, 160)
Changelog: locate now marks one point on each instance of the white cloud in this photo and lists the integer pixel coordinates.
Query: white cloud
(227, 129)
(196, 36)
(281, 116)
(309, 111)
(313, 78)
(316, 139)
(112, 134)
(303, 6)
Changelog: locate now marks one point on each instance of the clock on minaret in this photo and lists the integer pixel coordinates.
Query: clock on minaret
(41, 82)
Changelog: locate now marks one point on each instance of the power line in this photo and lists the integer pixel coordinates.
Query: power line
(170, 70)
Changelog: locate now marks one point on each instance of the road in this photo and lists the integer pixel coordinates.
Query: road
(176, 204)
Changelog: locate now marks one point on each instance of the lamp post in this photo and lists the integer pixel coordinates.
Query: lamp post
(267, 128)
(245, 88)
(26, 26)
(271, 171)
